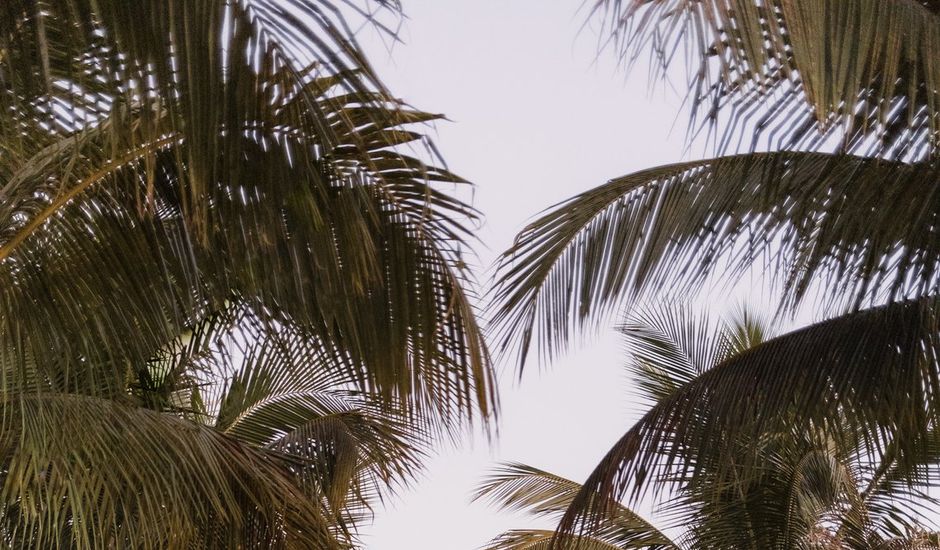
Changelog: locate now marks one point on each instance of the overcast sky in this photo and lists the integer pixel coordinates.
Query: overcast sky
(534, 118)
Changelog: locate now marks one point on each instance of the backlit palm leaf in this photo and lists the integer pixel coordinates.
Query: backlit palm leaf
(791, 480)
(866, 228)
(86, 472)
(256, 177)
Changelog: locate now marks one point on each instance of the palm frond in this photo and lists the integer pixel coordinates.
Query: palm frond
(541, 494)
(369, 262)
(746, 329)
(82, 472)
(536, 539)
(864, 228)
(669, 346)
(842, 376)
(898, 496)
(798, 73)
(165, 162)
(280, 391)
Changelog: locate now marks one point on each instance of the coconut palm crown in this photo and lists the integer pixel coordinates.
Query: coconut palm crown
(791, 487)
(825, 178)
(235, 303)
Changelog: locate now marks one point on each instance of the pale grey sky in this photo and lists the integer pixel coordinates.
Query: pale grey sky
(534, 119)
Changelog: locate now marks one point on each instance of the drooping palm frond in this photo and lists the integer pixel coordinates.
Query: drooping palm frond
(541, 494)
(84, 472)
(863, 227)
(798, 72)
(844, 473)
(801, 478)
(870, 375)
(278, 390)
(264, 389)
(306, 206)
(162, 161)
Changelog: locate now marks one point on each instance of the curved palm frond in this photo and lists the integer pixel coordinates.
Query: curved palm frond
(288, 190)
(541, 494)
(798, 73)
(280, 391)
(166, 160)
(870, 375)
(540, 539)
(863, 227)
(81, 472)
(669, 347)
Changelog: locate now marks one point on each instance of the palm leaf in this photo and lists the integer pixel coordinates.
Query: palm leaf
(166, 160)
(280, 391)
(862, 227)
(535, 539)
(359, 246)
(669, 347)
(81, 472)
(799, 73)
(840, 376)
(541, 494)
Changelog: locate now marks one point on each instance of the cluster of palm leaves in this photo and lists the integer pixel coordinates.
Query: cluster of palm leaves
(795, 486)
(234, 311)
(824, 116)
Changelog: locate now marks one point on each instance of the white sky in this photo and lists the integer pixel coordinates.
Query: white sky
(535, 118)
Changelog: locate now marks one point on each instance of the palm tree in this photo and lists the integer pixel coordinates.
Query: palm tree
(837, 192)
(790, 488)
(178, 175)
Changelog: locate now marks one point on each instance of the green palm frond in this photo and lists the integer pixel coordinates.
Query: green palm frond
(756, 441)
(746, 329)
(897, 496)
(670, 345)
(261, 388)
(281, 392)
(541, 494)
(840, 377)
(802, 493)
(798, 72)
(862, 227)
